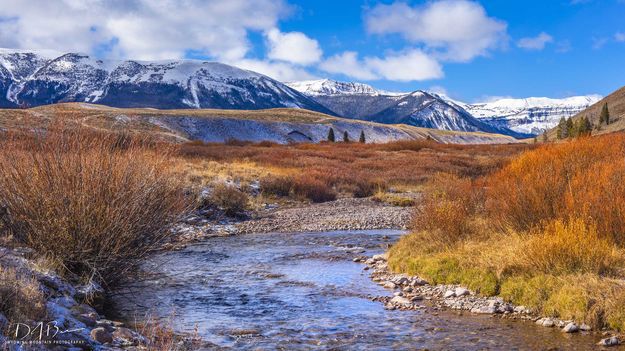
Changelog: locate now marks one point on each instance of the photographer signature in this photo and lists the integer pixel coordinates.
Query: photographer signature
(40, 331)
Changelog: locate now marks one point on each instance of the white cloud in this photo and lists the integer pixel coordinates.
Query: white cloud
(280, 71)
(620, 37)
(455, 30)
(294, 47)
(411, 65)
(535, 43)
(348, 64)
(138, 29)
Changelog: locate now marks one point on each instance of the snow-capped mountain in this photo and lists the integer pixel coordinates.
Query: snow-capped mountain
(332, 87)
(530, 115)
(33, 78)
(419, 108)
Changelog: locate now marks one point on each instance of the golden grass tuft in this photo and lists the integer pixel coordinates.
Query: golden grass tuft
(21, 297)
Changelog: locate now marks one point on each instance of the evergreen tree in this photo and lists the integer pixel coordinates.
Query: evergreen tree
(535, 140)
(345, 137)
(585, 127)
(561, 130)
(331, 137)
(570, 128)
(545, 137)
(362, 137)
(605, 115)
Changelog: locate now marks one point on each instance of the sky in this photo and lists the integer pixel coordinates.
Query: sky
(469, 50)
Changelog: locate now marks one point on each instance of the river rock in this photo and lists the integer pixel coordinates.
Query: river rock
(548, 322)
(570, 328)
(89, 319)
(611, 341)
(449, 294)
(461, 291)
(585, 327)
(101, 335)
(400, 300)
(484, 310)
(380, 257)
(389, 285)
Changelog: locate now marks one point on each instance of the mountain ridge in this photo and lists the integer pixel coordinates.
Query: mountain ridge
(34, 78)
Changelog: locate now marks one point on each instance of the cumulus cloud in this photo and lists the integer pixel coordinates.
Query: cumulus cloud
(138, 29)
(454, 30)
(412, 65)
(281, 71)
(294, 47)
(535, 43)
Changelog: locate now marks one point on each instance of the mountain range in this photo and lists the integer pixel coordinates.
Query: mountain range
(516, 117)
(35, 78)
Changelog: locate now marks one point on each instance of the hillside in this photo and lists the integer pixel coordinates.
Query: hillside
(277, 125)
(616, 106)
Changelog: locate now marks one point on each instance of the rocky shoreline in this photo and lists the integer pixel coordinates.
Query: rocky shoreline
(341, 214)
(410, 293)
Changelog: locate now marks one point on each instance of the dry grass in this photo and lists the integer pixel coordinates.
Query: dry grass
(351, 168)
(21, 297)
(94, 204)
(546, 231)
(229, 199)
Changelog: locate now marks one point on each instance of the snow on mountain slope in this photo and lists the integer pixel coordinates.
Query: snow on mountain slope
(38, 78)
(332, 87)
(419, 108)
(530, 115)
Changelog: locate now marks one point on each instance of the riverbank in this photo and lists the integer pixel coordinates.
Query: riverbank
(409, 292)
(294, 217)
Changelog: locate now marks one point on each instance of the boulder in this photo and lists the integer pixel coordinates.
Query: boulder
(449, 294)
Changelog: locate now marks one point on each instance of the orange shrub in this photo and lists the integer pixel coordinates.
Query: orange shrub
(315, 190)
(584, 178)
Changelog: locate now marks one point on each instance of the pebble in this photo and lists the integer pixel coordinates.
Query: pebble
(460, 291)
(570, 328)
(449, 293)
(611, 341)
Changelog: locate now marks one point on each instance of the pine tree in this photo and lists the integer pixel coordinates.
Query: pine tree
(561, 130)
(570, 128)
(345, 137)
(331, 137)
(585, 126)
(605, 115)
(545, 137)
(362, 137)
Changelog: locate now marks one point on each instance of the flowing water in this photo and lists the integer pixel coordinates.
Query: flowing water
(302, 291)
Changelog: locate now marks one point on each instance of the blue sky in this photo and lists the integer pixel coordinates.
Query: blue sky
(470, 49)
(584, 55)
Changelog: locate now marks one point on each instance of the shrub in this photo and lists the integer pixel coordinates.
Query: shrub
(82, 200)
(313, 189)
(20, 296)
(568, 247)
(229, 199)
(279, 186)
